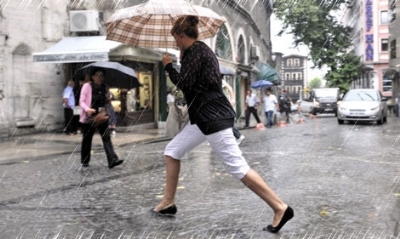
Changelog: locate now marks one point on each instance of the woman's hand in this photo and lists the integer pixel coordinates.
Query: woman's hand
(166, 59)
(90, 111)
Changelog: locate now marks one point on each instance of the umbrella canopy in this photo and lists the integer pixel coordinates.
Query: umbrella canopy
(149, 24)
(115, 74)
(261, 83)
(224, 70)
(268, 73)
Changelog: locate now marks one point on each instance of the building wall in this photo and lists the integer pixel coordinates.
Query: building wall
(394, 46)
(368, 31)
(31, 92)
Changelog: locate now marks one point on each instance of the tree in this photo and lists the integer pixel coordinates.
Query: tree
(348, 70)
(314, 83)
(312, 24)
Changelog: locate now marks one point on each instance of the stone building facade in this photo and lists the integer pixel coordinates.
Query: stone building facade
(30, 91)
(294, 75)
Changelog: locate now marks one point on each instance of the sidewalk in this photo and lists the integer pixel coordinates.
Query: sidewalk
(50, 144)
(47, 144)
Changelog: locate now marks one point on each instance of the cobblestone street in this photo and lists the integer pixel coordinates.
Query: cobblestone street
(342, 181)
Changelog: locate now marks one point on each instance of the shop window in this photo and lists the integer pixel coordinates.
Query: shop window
(384, 44)
(116, 99)
(145, 92)
(140, 98)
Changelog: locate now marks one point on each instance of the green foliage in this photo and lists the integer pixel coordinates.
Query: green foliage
(311, 22)
(349, 66)
(314, 83)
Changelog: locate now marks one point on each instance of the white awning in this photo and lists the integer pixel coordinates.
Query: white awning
(77, 49)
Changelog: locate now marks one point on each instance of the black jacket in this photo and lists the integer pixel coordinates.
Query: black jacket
(200, 81)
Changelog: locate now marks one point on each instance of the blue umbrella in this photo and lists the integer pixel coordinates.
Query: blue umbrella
(261, 83)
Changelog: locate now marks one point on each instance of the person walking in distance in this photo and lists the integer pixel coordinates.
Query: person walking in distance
(211, 119)
(285, 104)
(94, 97)
(270, 105)
(228, 91)
(69, 105)
(252, 103)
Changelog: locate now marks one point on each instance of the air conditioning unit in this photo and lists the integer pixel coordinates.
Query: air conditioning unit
(84, 21)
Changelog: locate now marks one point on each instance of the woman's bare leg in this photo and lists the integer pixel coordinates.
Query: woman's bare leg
(173, 167)
(256, 184)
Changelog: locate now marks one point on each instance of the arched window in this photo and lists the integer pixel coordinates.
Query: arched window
(223, 45)
(240, 53)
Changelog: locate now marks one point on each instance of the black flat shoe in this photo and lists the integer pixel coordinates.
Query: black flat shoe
(286, 217)
(169, 211)
(85, 165)
(116, 162)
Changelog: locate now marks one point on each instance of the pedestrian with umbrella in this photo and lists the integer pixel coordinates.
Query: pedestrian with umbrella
(93, 100)
(211, 118)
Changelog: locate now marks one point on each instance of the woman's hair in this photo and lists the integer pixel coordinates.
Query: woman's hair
(97, 69)
(186, 25)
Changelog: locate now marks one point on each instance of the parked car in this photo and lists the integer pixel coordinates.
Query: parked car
(363, 105)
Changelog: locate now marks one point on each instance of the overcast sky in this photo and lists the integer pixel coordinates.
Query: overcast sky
(284, 44)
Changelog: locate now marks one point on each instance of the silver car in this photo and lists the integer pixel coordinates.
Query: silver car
(363, 105)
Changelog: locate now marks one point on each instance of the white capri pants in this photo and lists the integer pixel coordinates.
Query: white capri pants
(222, 142)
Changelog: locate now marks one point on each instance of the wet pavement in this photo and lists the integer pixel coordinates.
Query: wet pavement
(342, 181)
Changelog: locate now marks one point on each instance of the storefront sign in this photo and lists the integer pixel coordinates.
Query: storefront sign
(369, 38)
(68, 58)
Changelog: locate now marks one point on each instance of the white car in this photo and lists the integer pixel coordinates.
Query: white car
(363, 105)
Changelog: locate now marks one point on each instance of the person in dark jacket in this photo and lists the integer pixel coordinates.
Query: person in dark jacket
(211, 118)
(285, 104)
(94, 97)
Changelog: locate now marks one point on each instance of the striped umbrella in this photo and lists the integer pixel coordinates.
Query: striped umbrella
(149, 24)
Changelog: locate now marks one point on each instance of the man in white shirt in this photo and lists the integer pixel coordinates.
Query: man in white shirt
(270, 105)
(68, 97)
(252, 103)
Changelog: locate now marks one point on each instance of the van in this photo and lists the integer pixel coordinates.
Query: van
(324, 100)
